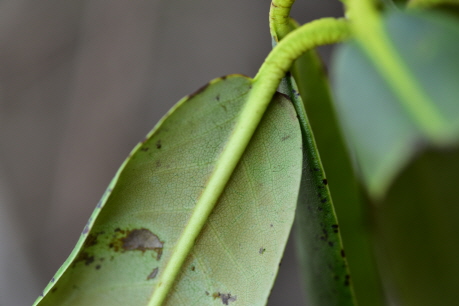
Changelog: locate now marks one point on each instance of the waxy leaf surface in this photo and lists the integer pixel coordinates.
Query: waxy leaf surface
(133, 232)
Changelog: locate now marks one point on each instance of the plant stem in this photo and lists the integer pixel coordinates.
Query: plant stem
(369, 30)
(316, 33)
(279, 18)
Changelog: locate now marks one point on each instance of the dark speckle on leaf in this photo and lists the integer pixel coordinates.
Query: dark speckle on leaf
(226, 298)
(145, 149)
(343, 254)
(153, 274)
(98, 267)
(197, 92)
(285, 137)
(262, 250)
(324, 181)
(158, 144)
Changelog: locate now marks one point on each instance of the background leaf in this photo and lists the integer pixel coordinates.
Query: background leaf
(411, 175)
(381, 132)
(122, 253)
(417, 234)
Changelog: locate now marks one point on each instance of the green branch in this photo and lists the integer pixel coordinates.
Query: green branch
(317, 33)
(279, 23)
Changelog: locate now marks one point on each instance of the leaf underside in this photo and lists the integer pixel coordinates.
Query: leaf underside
(131, 235)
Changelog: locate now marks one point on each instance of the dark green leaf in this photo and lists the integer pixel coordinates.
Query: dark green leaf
(417, 232)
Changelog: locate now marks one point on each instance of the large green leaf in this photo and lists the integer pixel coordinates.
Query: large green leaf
(417, 233)
(309, 72)
(133, 234)
(389, 115)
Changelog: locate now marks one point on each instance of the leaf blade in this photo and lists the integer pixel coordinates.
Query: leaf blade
(137, 242)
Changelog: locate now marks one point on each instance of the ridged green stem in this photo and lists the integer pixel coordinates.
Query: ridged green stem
(279, 18)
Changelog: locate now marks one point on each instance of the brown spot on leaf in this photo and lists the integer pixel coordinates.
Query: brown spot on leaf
(198, 91)
(85, 257)
(226, 298)
(153, 274)
(285, 137)
(54, 289)
(193, 268)
(142, 240)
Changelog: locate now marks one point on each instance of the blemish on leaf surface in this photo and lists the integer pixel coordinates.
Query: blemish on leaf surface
(137, 239)
(226, 298)
(153, 274)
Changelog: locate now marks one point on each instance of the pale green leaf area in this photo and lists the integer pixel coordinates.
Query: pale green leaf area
(416, 231)
(383, 125)
(236, 256)
(321, 255)
(313, 85)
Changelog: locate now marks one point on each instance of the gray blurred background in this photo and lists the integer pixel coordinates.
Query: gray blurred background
(81, 82)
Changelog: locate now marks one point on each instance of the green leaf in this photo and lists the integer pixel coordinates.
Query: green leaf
(313, 86)
(416, 231)
(124, 252)
(320, 250)
(394, 103)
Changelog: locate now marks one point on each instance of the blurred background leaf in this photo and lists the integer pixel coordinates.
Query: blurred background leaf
(381, 131)
(411, 175)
